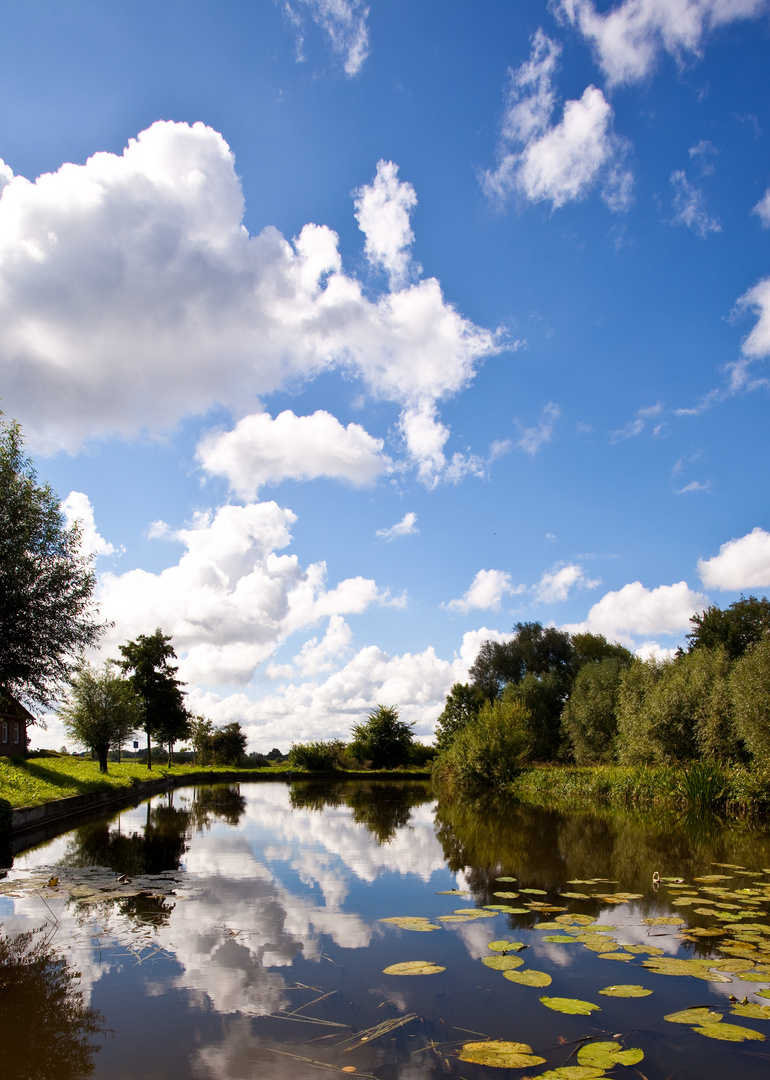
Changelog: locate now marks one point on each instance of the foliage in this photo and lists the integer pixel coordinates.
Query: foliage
(750, 695)
(736, 628)
(531, 649)
(703, 785)
(46, 1029)
(384, 741)
(101, 710)
(201, 731)
(47, 615)
(490, 750)
(317, 756)
(149, 659)
(593, 648)
(589, 720)
(542, 695)
(228, 744)
(462, 704)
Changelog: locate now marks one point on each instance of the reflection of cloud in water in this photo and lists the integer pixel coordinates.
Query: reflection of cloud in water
(630, 929)
(476, 936)
(559, 955)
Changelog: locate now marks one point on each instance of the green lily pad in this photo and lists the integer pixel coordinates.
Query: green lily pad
(466, 918)
(617, 955)
(560, 939)
(452, 892)
(701, 1015)
(506, 908)
(664, 920)
(529, 977)
(535, 892)
(506, 895)
(753, 1011)
(574, 896)
(572, 1006)
(626, 990)
(500, 1055)
(413, 967)
(574, 920)
(572, 1072)
(506, 946)
(696, 969)
(505, 879)
(410, 922)
(502, 963)
(729, 1032)
(753, 976)
(605, 1055)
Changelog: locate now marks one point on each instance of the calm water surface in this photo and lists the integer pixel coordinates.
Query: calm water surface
(248, 941)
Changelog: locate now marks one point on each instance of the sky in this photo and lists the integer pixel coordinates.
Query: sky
(354, 334)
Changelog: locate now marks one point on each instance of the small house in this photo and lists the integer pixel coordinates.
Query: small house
(14, 720)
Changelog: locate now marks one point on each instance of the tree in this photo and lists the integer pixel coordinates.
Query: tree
(750, 694)
(47, 614)
(154, 678)
(383, 740)
(101, 710)
(532, 649)
(201, 731)
(737, 628)
(589, 719)
(462, 704)
(490, 749)
(228, 744)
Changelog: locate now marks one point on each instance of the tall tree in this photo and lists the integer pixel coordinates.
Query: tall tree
(153, 676)
(532, 650)
(47, 614)
(101, 710)
(462, 704)
(384, 740)
(736, 628)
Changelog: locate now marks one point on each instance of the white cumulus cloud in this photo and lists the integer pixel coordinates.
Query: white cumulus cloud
(557, 162)
(382, 212)
(557, 583)
(407, 526)
(262, 450)
(629, 36)
(533, 438)
(741, 564)
(637, 612)
(763, 209)
(485, 593)
(77, 508)
(131, 296)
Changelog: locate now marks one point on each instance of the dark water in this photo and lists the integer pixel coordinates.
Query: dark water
(252, 944)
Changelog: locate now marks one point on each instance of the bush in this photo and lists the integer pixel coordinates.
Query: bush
(589, 720)
(750, 695)
(316, 756)
(384, 741)
(490, 750)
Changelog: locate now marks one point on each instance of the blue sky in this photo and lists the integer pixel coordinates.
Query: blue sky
(354, 334)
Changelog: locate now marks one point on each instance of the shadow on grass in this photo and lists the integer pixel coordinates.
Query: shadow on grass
(66, 780)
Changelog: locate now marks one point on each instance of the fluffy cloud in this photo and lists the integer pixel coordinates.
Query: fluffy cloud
(344, 21)
(636, 612)
(638, 424)
(562, 162)
(741, 564)
(142, 259)
(763, 209)
(77, 508)
(689, 206)
(407, 526)
(260, 450)
(757, 344)
(628, 37)
(382, 213)
(231, 599)
(556, 584)
(485, 593)
(316, 656)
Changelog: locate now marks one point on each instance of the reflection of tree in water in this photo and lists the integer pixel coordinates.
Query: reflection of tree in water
(383, 807)
(217, 802)
(545, 848)
(45, 1028)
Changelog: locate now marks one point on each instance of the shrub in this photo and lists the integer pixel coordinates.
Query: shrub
(490, 750)
(316, 756)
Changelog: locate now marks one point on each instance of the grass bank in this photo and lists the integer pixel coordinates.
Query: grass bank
(35, 781)
(698, 786)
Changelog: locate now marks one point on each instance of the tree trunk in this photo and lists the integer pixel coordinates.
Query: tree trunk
(101, 752)
(149, 752)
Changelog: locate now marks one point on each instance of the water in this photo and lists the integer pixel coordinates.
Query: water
(248, 940)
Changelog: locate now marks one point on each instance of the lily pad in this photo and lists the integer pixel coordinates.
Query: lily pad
(560, 939)
(529, 977)
(506, 946)
(753, 1011)
(664, 920)
(502, 963)
(500, 1055)
(505, 879)
(697, 969)
(453, 892)
(535, 892)
(605, 1055)
(574, 896)
(572, 1072)
(729, 1032)
(626, 990)
(617, 955)
(414, 967)
(506, 895)
(701, 1015)
(410, 922)
(572, 1006)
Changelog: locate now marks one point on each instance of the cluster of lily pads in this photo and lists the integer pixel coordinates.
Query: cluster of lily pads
(740, 942)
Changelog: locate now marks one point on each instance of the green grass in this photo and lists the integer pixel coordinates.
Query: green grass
(35, 781)
(697, 786)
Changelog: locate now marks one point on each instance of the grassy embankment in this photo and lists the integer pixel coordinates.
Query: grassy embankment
(35, 781)
(698, 786)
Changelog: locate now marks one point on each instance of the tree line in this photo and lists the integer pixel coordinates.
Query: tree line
(549, 696)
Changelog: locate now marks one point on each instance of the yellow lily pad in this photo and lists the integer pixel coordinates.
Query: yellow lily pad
(605, 1055)
(529, 977)
(502, 963)
(572, 1072)
(414, 967)
(701, 1015)
(500, 1055)
(572, 1006)
(560, 939)
(729, 1032)
(505, 879)
(626, 990)
(752, 1011)
(506, 946)
(617, 955)
(410, 922)
(506, 895)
